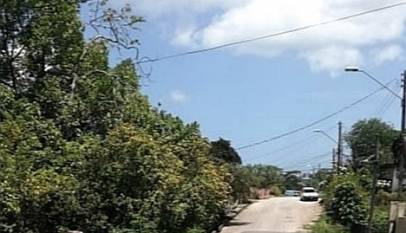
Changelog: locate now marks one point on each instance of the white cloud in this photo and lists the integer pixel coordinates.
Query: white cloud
(178, 96)
(387, 54)
(184, 36)
(326, 48)
(333, 58)
(174, 8)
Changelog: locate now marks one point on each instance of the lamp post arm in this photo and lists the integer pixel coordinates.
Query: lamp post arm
(325, 134)
(380, 83)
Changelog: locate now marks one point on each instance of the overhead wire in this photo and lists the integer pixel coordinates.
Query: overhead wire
(272, 35)
(307, 168)
(311, 159)
(385, 100)
(310, 163)
(308, 160)
(382, 102)
(313, 168)
(295, 145)
(388, 104)
(313, 123)
(386, 108)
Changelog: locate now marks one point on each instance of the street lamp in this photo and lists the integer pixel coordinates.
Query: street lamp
(339, 151)
(357, 69)
(325, 134)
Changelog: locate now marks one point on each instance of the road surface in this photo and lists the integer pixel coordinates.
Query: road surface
(274, 215)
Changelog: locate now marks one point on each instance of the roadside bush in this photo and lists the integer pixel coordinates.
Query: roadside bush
(275, 190)
(345, 199)
(347, 206)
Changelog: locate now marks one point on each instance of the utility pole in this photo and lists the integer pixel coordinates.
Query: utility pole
(339, 147)
(395, 225)
(375, 165)
(399, 170)
(334, 160)
(403, 134)
(403, 123)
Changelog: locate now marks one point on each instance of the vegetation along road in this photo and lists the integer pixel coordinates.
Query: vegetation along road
(275, 215)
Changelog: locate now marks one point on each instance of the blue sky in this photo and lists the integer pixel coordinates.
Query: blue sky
(253, 92)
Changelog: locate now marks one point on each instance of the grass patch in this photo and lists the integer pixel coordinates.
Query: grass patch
(324, 225)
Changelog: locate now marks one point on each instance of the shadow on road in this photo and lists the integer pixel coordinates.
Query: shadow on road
(237, 223)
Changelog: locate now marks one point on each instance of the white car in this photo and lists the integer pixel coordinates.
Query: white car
(309, 194)
(292, 193)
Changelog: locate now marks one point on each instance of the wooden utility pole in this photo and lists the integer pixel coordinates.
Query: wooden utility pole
(399, 169)
(339, 147)
(398, 209)
(403, 135)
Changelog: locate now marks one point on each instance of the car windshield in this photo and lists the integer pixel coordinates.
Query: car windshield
(308, 191)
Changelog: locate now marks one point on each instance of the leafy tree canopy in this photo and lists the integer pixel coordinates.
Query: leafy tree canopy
(365, 134)
(80, 147)
(222, 150)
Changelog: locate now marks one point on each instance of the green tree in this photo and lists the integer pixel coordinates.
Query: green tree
(266, 176)
(221, 150)
(39, 39)
(363, 137)
(242, 182)
(80, 147)
(292, 180)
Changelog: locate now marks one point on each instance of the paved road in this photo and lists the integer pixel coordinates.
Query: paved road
(274, 215)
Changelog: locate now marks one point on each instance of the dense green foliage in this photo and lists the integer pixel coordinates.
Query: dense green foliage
(222, 151)
(292, 180)
(266, 176)
(346, 201)
(81, 148)
(347, 205)
(363, 137)
(247, 179)
(241, 184)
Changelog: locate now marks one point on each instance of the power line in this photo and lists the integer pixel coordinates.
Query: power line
(314, 168)
(310, 163)
(388, 104)
(309, 160)
(294, 145)
(382, 103)
(387, 107)
(311, 124)
(302, 28)
(302, 168)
